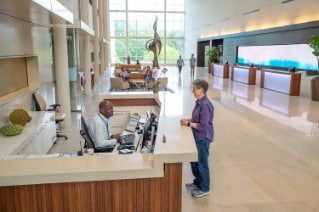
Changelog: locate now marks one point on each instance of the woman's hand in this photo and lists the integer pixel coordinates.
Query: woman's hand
(184, 122)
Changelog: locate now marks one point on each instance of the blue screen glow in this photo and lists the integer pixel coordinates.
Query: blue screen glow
(279, 56)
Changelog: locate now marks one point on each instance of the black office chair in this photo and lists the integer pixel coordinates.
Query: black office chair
(89, 142)
(41, 105)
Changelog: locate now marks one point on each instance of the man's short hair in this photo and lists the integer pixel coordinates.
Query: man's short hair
(106, 103)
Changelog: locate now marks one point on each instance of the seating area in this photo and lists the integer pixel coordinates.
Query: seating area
(117, 83)
(136, 80)
(128, 67)
(136, 75)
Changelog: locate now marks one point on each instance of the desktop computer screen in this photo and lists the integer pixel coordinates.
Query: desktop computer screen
(146, 131)
(149, 132)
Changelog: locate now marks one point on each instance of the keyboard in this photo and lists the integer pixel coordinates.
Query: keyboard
(127, 139)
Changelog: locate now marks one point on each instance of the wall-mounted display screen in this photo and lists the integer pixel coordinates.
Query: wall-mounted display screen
(278, 56)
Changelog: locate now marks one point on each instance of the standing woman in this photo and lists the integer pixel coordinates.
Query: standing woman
(192, 63)
(180, 64)
(128, 59)
(202, 127)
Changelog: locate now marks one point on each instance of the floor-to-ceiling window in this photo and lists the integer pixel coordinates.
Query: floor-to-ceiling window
(131, 26)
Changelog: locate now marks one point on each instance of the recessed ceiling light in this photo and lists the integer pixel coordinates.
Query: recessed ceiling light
(250, 12)
(224, 19)
(286, 1)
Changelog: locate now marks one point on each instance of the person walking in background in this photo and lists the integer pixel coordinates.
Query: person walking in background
(202, 127)
(192, 63)
(180, 64)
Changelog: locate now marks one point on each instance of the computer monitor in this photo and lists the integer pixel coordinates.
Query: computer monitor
(146, 130)
(153, 135)
(149, 133)
(148, 114)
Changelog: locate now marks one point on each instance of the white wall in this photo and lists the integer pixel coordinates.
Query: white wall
(21, 38)
(207, 18)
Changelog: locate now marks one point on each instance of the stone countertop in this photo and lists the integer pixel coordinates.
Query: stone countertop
(10, 144)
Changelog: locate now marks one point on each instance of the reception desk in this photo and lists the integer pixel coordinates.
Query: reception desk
(244, 75)
(220, 70)
(285, 82)
(105, 181)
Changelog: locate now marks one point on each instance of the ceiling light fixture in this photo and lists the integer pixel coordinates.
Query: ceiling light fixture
(250, 12)
(286, 1)
(224, 19)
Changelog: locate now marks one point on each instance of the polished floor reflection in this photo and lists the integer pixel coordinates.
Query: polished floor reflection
(265, 156)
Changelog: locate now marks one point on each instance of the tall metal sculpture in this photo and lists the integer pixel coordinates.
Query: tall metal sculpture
(155, 45)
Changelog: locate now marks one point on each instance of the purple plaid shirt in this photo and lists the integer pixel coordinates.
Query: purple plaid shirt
(203, 114)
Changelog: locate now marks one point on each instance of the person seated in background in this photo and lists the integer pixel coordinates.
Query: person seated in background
(124, 74)
(148, 74)
(99, 127)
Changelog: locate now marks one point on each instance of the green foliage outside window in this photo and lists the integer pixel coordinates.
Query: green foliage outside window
(131, 28)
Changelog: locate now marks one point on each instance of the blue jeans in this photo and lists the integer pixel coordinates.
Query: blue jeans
(200, 169)
(180, 69)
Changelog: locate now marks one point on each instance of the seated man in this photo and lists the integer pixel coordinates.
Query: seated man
(99, 127)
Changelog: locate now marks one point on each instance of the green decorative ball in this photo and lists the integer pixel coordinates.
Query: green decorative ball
(11, 129)
(19, 116)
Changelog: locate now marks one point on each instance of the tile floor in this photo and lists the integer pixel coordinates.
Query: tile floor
(265, 156)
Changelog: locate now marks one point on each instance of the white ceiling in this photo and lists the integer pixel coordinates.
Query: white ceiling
(220, 17)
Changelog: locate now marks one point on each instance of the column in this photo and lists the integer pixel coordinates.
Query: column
(87, 64)
(101, 36)
(96, 41)
(61, 66)
(85, 50)
(106, 33)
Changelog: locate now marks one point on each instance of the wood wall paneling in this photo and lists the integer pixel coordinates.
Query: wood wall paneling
(133, 102)
(295, 84)
(252, 76)
(161, 194)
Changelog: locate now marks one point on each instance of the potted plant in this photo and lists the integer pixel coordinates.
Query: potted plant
(212, 55)
(314, 83)
(156, 79)
(155, 85)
